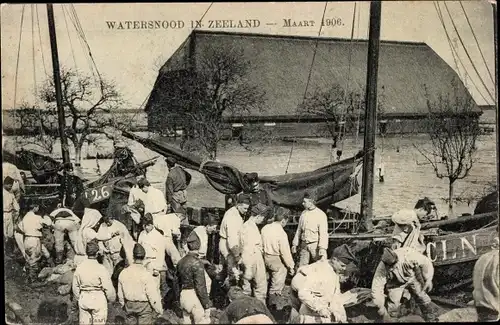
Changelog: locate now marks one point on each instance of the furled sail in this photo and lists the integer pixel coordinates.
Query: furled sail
(332, 183)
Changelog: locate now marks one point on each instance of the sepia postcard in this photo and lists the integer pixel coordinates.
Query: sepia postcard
(250, 163)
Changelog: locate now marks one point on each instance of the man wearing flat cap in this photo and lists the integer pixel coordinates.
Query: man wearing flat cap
(176, 184)
(92, 288)
(316, 291)
(154, 200)
(194, 298)
(230, 227)
(400, 269)
(10, 214)
(137, 291)
(311, 236)
(257, 193)
(252, 261)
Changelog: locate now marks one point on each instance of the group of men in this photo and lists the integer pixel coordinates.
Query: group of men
(136, 262)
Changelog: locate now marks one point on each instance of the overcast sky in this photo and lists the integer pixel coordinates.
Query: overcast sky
(132, 57)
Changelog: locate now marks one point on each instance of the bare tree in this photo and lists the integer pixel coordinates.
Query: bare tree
(40, 127)
(453, 130)
(219, 87)
(88, 107)
(341, 109)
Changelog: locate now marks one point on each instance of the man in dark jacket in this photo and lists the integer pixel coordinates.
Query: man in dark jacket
(194, 298)
(244, 309)
(257, 193)
(175, 186)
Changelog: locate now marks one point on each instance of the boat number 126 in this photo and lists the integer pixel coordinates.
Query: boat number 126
(97, 194)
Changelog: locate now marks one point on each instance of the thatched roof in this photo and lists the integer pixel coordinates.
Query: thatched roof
(280, 65)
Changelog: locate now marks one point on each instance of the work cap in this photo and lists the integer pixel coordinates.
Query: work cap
(193, 241)
(138, 252)
(8, 181)
(281, 213)
(147, 219)
(389, 257)
(251, 177)
(404, 217)
(343, 253)
(171, 161)
(260, 209)
(92, 248)
(244, 198)
(143, 182)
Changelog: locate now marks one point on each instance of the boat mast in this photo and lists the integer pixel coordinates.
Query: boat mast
(495, 35)
(57, 85)
(370, 116)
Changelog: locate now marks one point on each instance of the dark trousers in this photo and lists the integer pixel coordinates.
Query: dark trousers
(486, 314)
(139, 313)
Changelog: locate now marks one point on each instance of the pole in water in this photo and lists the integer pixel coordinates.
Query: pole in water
(370, 116)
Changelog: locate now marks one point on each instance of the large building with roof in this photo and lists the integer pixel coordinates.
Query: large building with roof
(281, 65)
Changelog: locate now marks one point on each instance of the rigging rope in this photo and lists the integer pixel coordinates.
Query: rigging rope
(308, 80)
(69, 36)
(477, 43)
(33, 52)
(454, 51)
(467, 52)
(18, 55)
(359, 108)
(40, 39)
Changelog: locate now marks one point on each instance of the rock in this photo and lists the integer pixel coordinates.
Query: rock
(468, 314)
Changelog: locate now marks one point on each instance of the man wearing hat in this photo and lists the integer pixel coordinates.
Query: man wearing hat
(229, 232)
(257, 193)
(194, 298)
(92, 288)
(112, 247)
(154, 200)
(10, 214)
(316, 292)
(277, 255)
(252, 261)
(137, 291)
(155, 246)
(176, 184)
(400, 269)
(243, 309)
(311, 235)
(17, 187)
(31, 227)
(406, 231)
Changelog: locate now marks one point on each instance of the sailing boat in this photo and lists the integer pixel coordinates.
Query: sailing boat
(453, 245)
(68, 187)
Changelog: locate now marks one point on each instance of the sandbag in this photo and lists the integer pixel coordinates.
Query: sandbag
(468, 314)
(66, 278)
(53, 277)
(64, 289)
(45, 272)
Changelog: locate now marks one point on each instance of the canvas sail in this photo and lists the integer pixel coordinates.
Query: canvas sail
(332, 183)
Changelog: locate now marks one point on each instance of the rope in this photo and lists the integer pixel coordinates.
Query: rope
(453, 50)
(40, 39)
(359, 110)
(69, 37)
(33, 51)
(18, 55)
(467, 52)
(308, 81)
(477, 43)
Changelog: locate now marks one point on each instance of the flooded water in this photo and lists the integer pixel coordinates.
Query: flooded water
(407, 177)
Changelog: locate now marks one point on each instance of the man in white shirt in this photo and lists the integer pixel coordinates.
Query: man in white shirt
(277, 255)
(92, 288)
(254, 274)
(400, 269)
(229, 232)
(155, 246)
(10, 214)
(154, 200)
(137, 291)
(10, 170)
(65, 222)
(112, 247)
(486, 283)
(31, 227)
(312, 232)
